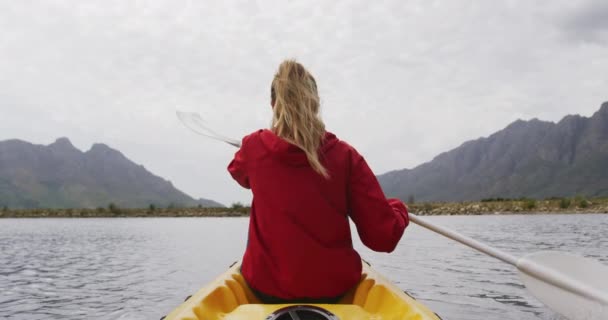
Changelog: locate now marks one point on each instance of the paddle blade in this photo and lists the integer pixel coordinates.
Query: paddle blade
(195, 122)
(573, 286)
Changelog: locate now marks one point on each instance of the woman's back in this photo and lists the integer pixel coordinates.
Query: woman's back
(305, 184)
(299, 242)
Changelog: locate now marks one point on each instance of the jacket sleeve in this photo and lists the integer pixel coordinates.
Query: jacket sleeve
(238, 166)
(380, 222)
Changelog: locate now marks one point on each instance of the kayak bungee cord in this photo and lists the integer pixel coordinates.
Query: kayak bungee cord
(571, 285)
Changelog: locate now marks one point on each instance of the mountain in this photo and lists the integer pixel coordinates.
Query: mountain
(535, 159)
(61, 176)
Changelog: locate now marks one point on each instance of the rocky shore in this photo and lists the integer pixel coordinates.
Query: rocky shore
(114, 212)
(522, 206)
(492, 206)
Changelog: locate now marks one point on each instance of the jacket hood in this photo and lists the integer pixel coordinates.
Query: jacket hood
(290, 153)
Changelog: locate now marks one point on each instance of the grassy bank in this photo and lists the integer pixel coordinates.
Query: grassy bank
(510, 206)
(114, 211)
(487, 206)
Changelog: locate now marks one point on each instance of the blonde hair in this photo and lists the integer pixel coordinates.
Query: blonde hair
(295, 102)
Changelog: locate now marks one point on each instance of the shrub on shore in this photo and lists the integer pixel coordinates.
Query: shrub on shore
(530, 204)
(495, 199)
(581, 202)
(237, 206)
(114, 209)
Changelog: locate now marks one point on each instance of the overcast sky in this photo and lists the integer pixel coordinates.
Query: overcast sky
(402, 81)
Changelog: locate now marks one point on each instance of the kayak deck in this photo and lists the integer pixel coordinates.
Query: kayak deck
(228, 297)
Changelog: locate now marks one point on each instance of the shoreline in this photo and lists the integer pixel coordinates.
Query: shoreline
(497, 207)
(115, 212)
(577, 205)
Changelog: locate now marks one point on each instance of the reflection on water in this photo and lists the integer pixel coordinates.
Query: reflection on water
(142, 268)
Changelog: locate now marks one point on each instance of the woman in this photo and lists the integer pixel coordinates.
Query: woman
(305, 184)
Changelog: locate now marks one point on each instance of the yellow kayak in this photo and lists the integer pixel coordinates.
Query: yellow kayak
(228, 298)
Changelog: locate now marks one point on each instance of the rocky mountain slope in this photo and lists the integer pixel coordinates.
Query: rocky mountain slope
(61, 176)
(535, 159)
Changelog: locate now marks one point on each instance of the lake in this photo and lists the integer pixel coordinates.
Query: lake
(141, 268)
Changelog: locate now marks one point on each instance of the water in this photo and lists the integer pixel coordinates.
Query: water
(142, 268)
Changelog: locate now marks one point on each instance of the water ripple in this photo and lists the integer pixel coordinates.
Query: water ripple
(142, 268)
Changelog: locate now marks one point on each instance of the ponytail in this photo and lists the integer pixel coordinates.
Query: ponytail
(295, 118)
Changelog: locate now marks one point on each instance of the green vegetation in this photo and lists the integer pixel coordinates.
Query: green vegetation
(495, 199)
(237, 205)
(512, 206)
(240, 208)
(519, 206)
(582, 202)
(530, 204)
(553, 198)
(125, 212)
(114, 209)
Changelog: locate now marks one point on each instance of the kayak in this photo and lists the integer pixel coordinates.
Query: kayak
(229, 298)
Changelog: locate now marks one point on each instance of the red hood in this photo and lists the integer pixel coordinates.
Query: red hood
(291, 153)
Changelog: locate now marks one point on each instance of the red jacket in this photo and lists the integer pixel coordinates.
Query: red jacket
(299, 242)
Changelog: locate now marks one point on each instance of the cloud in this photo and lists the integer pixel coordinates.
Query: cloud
(587, 22)
(402, 81)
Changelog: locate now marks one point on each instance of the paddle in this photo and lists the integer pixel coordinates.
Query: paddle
(194, 122)
(571, 285)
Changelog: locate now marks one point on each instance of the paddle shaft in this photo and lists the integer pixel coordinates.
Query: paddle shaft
(465, 240)
(524, 265)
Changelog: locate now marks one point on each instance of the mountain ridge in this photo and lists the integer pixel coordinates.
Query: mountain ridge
(59, 175)
(532, 158)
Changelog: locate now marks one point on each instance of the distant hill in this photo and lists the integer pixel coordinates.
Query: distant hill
(61, 176)
(536, 159)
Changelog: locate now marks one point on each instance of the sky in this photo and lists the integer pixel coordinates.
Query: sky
(401, 81)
